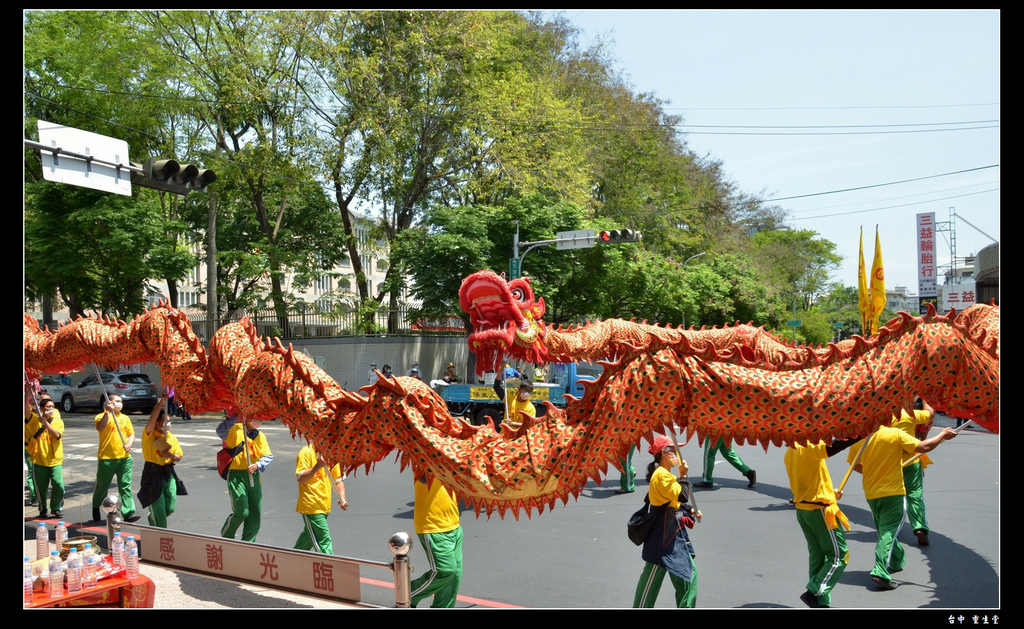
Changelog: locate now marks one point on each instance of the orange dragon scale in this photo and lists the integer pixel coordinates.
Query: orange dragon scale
(738, 382)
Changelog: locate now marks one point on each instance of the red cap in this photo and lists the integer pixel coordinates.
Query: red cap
(660, 443)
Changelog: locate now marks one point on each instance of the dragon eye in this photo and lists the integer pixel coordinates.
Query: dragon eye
(519, 294)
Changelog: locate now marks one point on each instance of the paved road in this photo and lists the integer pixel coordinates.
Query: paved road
(750, 552)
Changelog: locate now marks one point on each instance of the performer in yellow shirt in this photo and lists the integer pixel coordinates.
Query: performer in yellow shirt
(668, 547)
(436, 519)
(881, 467)
(314, 502)
(913, 474)
(516, 406)
(114, 459)
(46, 447)
(244, 486)
(160, 486)
(819, 517)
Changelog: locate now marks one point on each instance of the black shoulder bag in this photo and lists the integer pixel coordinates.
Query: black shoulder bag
(640, 523)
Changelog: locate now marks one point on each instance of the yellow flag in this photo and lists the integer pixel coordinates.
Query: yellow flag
(863, 300)
(877, 291)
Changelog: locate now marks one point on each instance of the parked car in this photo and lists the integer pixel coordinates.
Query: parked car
(52, 387)
(137, 391)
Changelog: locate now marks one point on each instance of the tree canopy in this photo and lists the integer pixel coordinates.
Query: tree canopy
(425, 138)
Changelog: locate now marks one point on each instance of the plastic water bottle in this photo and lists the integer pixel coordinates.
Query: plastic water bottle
(117, 549)
(60, 535)
(56, 575)
(131, 558)
(74, 572)
(89, 567)
(29, 581)
(42, 541)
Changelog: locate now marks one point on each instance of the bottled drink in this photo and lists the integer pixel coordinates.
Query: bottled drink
(60, 535)
(89, 567)
(131, 558)
(42, 541)
(117, 549)
(56, 575)
(29, 581)
(74, 572)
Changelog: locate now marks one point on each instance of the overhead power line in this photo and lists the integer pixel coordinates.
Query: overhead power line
(878, 185)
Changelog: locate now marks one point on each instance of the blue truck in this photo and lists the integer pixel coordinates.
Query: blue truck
(478, 404)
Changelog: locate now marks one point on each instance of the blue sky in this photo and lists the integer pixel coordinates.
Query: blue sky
(797, 103)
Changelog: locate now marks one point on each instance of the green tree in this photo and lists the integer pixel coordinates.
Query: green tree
(240, 68)
(795, 263)
(433, 107)
(74, 75)
(98, 250)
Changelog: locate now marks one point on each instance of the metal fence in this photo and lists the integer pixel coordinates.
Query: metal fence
(304, 324)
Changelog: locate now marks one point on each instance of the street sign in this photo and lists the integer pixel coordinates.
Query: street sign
(85, 159)
(513, 268)
(794, 324)
(579, 239)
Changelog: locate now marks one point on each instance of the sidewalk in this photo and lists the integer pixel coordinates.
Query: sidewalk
(176, 590)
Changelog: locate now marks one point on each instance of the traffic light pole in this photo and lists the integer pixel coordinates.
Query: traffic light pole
(89, 159)
(516, 263)
(579, 239)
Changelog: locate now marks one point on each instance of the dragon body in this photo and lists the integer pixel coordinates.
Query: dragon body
(738, 382)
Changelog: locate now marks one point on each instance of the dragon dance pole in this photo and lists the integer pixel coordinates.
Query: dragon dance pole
(106, 398)
(856, 460)
(248, 462)
(35, 401)
(914, 458)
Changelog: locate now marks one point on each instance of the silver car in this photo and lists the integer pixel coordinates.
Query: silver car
(53, 387)
(137, 391)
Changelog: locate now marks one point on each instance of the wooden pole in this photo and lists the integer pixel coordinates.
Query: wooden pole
(679, 455)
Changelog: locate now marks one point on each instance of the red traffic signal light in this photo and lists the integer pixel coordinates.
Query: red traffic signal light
(615, 236)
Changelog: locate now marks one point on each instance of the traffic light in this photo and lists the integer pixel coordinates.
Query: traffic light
(170, 176)
(615, 236)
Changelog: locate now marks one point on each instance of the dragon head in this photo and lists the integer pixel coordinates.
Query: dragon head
(506, 319)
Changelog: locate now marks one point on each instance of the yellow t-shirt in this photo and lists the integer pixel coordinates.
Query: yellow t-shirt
(45, 450)
(514, 419)
(149, 452)
(811, 483)
(909, 424)
(30, 443)
(110, 446)
(435, 510)
(258, 447)
(664, 488)
(315, 493)
(809, 479)
(882, 462)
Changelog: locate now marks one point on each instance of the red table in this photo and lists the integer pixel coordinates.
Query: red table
(110, 592)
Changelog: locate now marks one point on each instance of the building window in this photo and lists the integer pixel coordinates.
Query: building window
(322, 285)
